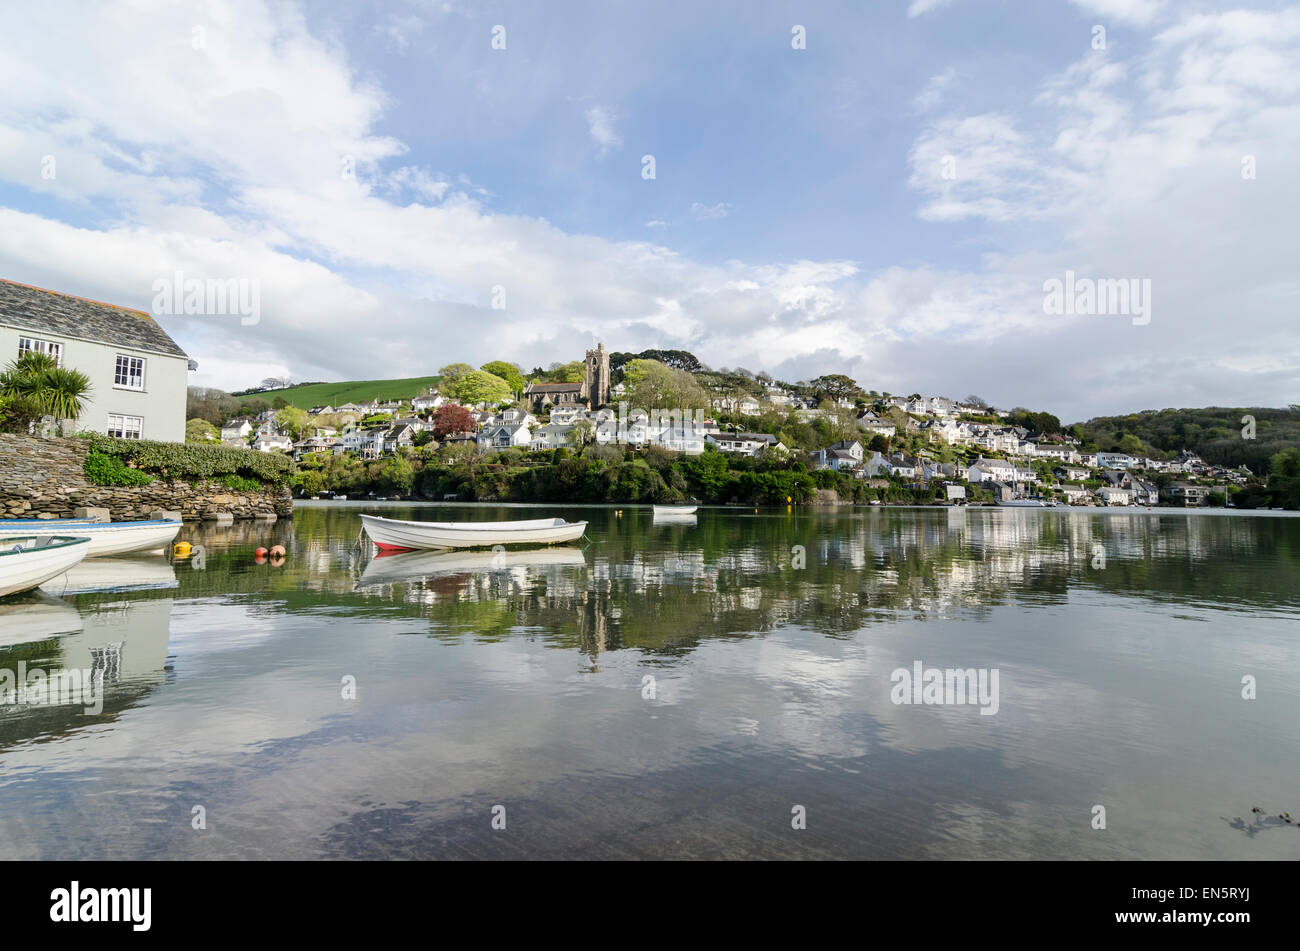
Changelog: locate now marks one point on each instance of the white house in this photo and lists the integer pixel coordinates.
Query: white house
(514, 435)
(240, 428)
(1115, 460)
(745, 444)
(273, 443)
(552, 436)
(138, 375)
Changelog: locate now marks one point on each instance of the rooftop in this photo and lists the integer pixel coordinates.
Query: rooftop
(63, 315)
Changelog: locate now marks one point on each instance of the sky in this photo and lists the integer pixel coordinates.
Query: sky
(882, 189)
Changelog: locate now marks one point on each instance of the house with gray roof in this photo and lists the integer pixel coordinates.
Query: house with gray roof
(138, 375)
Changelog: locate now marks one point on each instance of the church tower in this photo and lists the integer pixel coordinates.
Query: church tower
(596, 386)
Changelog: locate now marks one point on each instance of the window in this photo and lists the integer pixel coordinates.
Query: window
(129, 373)
(32, 345)
(126, 427)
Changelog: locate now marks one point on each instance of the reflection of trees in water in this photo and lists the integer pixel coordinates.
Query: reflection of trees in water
(664, 589)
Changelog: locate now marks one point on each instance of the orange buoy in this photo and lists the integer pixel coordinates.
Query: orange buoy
(260, 553)
(277, 551)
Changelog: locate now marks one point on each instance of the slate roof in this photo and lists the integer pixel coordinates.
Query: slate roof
(40, 311)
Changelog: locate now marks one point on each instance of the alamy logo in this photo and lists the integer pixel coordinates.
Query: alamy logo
(36, 687)
(946, 686)
(103, 904)
(1109, 297)
(179, 296)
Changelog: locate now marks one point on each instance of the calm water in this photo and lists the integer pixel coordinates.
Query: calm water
(519, 680)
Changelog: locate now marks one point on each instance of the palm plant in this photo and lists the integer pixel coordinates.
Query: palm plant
(59, 391)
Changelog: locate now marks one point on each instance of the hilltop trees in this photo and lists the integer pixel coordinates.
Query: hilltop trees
(654, 385)
(508, 372)
(479, 386)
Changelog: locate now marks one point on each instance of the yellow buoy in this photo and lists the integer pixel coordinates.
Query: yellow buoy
(181, 550)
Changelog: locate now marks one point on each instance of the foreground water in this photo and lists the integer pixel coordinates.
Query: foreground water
(684, 688)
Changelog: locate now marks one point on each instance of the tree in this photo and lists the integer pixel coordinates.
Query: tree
(58, 391)
(654, 385)
(478, 386)
(508, 372)
(293, 421)
(200, 430)
(836, 386)
(451, 374)
(451, 418)
(974, 400)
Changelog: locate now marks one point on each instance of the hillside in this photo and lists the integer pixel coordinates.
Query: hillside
(320, 394)
(1214, 433)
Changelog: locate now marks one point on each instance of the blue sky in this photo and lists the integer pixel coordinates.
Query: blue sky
(800, 220)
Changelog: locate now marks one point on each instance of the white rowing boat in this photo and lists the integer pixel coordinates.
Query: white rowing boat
(26, 562)
(106, 538)
(390, 534)
(660, 510)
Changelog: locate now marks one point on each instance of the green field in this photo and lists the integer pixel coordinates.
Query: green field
(355, 391)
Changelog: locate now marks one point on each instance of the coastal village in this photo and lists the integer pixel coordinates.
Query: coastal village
(956, 451)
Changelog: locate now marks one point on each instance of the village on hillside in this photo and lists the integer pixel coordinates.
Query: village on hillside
(946, 450)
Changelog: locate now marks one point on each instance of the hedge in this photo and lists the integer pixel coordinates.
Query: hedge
(195, 461)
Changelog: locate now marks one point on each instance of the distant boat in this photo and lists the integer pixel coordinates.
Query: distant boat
(27, 562)
(106, 538)
(1021, 503)
(395, 535)
(675, 509)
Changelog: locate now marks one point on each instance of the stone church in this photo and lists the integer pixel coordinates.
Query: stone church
(596, 387)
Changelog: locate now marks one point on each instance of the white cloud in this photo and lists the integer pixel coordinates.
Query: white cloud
(703, 212)
(921, 7)
(934, 90)
(1138, 12)
(600, 126)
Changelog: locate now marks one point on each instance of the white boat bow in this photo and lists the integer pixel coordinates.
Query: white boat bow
(27, 562)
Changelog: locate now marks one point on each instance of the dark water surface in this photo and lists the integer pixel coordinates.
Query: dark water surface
(519, 680)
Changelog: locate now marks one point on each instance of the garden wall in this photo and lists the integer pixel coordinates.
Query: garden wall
(45, 477)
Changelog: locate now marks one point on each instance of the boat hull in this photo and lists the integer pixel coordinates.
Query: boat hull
(106, 538)
(31, 565)
(394, 535)
(675, 509)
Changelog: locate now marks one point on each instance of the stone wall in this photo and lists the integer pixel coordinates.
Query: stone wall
(44, 477)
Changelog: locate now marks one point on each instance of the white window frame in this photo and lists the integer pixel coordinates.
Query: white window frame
(129, 376)
(37, 345)
(121, 430)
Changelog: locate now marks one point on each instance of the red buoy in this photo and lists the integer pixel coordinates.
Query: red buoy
(260, 553)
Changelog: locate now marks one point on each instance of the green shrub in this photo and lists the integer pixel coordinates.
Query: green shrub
(191, 461)
(103, 469)
(239, 483)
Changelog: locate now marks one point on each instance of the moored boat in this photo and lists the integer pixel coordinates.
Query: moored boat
(396, 535)
(27, 562)
(106, 538)
(660, 510)
(1021, 503)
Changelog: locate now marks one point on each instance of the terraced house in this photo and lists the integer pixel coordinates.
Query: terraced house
(137, 372)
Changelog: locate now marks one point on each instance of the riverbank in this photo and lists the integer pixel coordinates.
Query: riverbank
(50, 478)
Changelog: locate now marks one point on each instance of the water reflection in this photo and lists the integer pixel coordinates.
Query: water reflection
(519, 677)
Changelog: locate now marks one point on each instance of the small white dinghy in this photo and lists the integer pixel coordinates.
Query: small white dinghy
(661, 510)
(106, 538)
(390, 534)
(26, 562)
